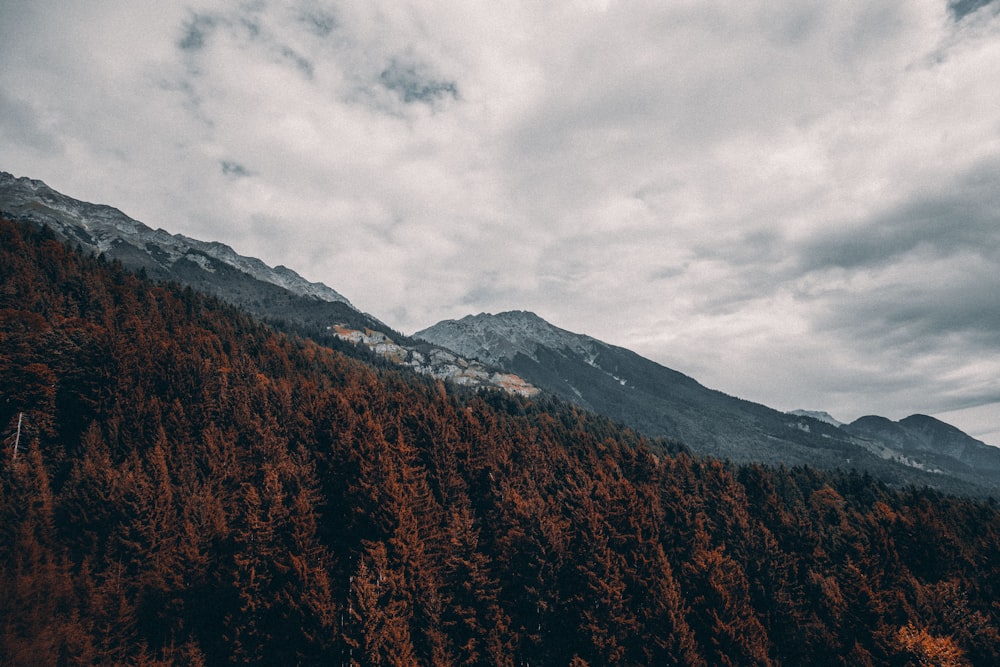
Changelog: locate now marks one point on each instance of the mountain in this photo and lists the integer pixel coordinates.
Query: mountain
(276, 294)
(929, 442)
(661, 402)
(516, 352)
(182, 485)
(105, 230)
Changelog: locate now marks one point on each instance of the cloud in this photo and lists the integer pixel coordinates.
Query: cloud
(794, 202)
(960, 217)
(22, 124)
(234, 169)
(412, 85)
(962, 8)
(196, 31)
(321, 21)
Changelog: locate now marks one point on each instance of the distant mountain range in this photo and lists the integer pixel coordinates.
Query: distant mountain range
(658, 401)
(521, 353)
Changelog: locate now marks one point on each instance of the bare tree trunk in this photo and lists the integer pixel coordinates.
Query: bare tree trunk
(17, 438)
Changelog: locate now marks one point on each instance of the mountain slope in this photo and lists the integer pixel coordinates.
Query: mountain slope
(103, 229)
(659, 401)
(278, 294)
(617, 382)
(275, 294)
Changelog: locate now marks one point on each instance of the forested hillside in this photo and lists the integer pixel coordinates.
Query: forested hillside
(189, 487)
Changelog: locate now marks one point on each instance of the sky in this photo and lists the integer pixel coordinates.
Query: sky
(797, 203)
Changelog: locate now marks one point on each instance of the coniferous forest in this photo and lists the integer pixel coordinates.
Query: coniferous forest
(182, 485)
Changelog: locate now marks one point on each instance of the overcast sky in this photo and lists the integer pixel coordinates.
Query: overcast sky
(795, 202)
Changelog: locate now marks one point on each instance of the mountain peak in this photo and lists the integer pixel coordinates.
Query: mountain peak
(493, 338)
(930, 437)
(506, 318)
(7, 179)
(927, 422)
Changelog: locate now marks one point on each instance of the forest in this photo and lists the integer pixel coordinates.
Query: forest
(181, 484)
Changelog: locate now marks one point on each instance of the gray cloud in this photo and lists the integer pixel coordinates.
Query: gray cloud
(234, 169)
(301, 63)
(321, 21)
(20, 124)
(796, 203)
(247, 27)
(919, 282)
(923, 320)
(412, 84)
(196, 32)
(963, 218)
(962, 8)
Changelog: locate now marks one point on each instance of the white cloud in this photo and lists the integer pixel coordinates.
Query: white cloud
(793, 202)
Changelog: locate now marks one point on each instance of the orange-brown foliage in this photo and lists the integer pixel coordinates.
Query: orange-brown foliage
(196, 488)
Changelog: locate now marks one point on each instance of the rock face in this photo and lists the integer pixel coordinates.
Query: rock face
(659, 401)
(436, 362)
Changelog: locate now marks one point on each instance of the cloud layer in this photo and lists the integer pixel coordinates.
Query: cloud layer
(796, 203)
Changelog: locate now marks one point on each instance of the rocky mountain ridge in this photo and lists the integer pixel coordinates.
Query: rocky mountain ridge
(929, 441)
(105, 230)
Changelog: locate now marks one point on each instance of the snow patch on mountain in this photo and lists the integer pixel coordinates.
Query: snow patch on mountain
(200, 260)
